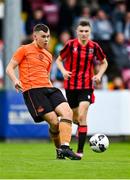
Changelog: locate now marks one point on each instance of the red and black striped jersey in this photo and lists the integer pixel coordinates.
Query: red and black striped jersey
(79, 60)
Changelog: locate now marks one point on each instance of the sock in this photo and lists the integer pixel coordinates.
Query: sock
(65, 127)
(55, 138)
(82, 132)
(64, 146)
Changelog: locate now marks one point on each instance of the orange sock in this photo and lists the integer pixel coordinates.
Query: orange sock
(55, 136)
(65, 128)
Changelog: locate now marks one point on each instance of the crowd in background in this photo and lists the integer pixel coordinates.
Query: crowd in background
(110, 22)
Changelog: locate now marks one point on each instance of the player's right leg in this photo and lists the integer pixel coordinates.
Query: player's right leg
(40, 109)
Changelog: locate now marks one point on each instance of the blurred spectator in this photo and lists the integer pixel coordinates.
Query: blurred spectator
(51, 10)
(126, 78)
(106, 5)
(118, 13)
(38, 17)
(120, 53)
(69, 10)
(85, 13)
(127, 27)
(102, 33)
(94, 5)
(63, 38)
(49, 7)
(124, 27)
(56, 75)
(30, 5)
(116, 84)
(128, 48)
(102, 28)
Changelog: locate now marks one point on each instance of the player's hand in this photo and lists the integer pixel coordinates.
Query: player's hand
(96, 79)
(67, 74)
(18, 86)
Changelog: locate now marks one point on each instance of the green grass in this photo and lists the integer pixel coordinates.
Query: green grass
(37, 161)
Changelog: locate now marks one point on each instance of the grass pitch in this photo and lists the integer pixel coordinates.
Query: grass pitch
(37, 161)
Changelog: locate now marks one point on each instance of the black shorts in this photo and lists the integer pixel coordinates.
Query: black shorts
(40, 101)
(74, 97)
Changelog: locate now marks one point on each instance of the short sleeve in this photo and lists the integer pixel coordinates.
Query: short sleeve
(99, 53)
(19, 54)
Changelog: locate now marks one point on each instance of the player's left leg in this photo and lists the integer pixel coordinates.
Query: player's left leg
(65, 127)
(85, 98)
(82, 127)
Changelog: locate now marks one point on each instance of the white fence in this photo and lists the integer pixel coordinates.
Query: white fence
(110, 114)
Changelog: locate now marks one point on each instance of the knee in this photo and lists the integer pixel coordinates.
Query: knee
(53, 121)
(68, 114)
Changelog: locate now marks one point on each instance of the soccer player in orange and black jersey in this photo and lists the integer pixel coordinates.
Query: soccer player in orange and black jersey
(43, 101)
(78, 70)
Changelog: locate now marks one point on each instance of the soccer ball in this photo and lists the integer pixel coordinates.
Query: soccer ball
(99, 143)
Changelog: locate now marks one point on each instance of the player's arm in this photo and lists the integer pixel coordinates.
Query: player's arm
(49, 73)
(103, 66)
(66, 74)
(10, 70)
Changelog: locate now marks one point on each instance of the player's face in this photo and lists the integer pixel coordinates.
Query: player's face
(83, 33)
(42, 38)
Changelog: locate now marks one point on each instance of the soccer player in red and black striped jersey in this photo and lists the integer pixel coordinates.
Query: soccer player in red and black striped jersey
(78, 56)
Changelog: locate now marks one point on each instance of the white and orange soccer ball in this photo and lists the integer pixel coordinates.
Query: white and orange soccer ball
(99, 143)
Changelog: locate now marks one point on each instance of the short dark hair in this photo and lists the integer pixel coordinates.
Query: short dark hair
(41, 27)
(84, 22)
